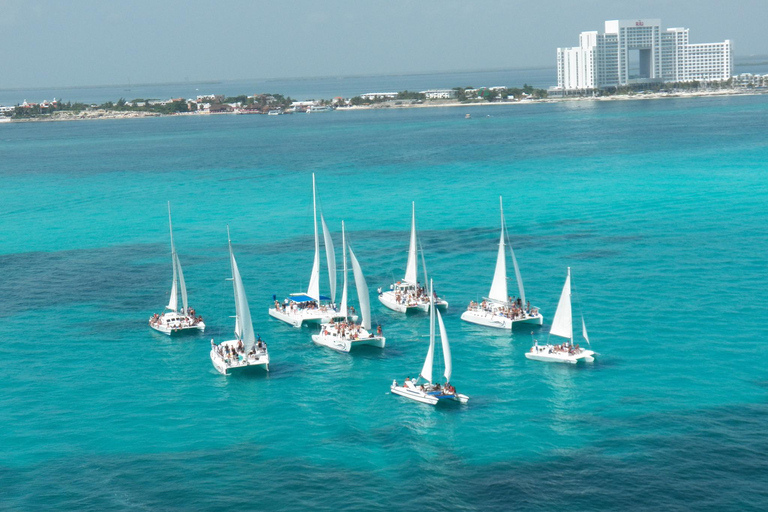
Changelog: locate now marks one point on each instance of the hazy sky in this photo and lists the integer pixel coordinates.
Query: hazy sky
(96, 42)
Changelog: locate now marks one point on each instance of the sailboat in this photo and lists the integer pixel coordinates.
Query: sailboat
(345, 334)
(498, 309)
(246, 350)
(429, 392)
(407, 295)
(174, 320)
(562, 326)
(310, 307)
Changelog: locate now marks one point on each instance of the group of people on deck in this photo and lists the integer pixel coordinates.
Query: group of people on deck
(564, 348)
(348, 330)
(446, 388)
(237, 352)
(410, 294)
(290, 306)
(179, 321)
(515, 309)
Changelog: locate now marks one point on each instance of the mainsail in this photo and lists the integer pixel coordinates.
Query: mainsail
(518, 276)
(330, 257)
(426, 371)
(362, 291)
(182, 286)
(410, 269)
(562, 323)
(584, 331)
(446, 349)
(499, 286)
(244, 324)
(313, 290)
(343, 308)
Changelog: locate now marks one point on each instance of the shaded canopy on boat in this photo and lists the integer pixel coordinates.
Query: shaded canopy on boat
(300, 298)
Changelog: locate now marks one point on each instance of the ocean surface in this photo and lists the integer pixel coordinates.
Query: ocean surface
(659, 207)
(297, 88)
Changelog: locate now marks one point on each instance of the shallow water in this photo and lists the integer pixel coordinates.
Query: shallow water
(657, 206)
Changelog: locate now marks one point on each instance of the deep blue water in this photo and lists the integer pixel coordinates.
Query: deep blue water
(659, 207)
(297, 88)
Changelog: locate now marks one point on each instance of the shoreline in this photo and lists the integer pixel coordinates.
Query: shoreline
(63, 116)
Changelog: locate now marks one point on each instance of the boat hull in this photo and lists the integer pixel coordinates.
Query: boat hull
(433, 398)
(171, 328)
(499, 321)
(345, 344)
(545, 354)
(315, 317)
(227, 366)
(390, 301)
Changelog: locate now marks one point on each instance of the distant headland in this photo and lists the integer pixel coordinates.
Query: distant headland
(277, 104)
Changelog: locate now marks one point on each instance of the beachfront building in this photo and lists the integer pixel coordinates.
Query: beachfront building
(373, 96)
(439, 94)
(638, 52)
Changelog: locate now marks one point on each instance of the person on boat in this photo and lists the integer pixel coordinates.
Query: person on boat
(378, 330)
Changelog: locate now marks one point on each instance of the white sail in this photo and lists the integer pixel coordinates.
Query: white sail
(562, 323)
(313, 290)
(426, 370)
(330, 255)
(584, 331)
(423, 264)
(362, 291)
(520, 288)
(343, 308)
(446, 348)
(173, 300)
(410, 269)
(244, 324)
(182, 286)
(499, 286)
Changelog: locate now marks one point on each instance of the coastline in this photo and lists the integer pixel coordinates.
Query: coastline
(62, 116)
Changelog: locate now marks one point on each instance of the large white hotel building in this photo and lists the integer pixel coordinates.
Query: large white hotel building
(637, 52)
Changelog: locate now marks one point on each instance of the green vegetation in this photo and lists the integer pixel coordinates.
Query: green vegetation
(261, 103)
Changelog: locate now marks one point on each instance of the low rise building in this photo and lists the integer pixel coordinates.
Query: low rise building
(372, 96)
(439, 94)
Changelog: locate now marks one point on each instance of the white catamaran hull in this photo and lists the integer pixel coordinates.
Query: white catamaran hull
(227, 365)
(345, 344)
(431, 398)
(549, 354)
(309, 317)
(389, 300)
(499, 321)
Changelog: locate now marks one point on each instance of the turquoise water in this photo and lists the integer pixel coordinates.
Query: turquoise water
(659, 207)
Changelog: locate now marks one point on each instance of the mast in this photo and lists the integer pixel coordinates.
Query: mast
(499, 290)
(173, 299)
(314, 280)
(410, 269)
(238, 326)
(343, 309)
(244, 323)
(520, 288)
